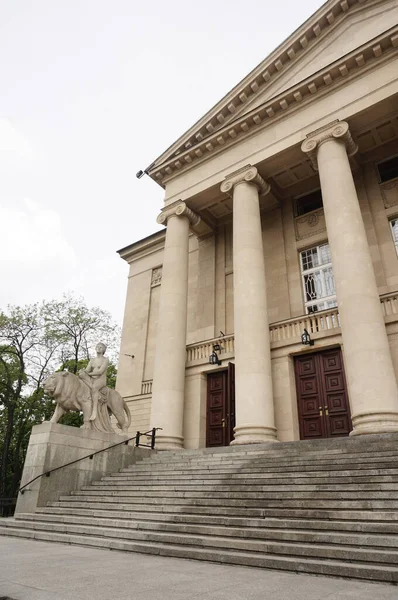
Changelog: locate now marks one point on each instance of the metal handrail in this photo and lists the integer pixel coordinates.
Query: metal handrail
(137, 437)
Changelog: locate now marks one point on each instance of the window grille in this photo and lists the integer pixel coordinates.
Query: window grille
(317, 278)
(394, 231)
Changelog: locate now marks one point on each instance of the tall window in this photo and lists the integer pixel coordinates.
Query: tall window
(317, 278)
(388, 169)
(394, 231)
(308, 203)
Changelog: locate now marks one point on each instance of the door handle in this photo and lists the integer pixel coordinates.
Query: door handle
(320, 411)
(223, 422)
(327, 411)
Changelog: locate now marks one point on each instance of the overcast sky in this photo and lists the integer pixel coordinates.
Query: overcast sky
(91, 92)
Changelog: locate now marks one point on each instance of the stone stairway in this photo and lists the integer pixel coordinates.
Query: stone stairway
(325, 507)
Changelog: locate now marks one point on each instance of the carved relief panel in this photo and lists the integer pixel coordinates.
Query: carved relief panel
(309, 224)
(389, 191)
(156, 276)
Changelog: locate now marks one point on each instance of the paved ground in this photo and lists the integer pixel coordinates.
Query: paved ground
(32, 570)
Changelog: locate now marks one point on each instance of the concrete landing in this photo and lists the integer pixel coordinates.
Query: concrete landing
(31, 570)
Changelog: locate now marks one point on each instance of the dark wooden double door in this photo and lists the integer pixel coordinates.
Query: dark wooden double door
(220, 413)
(323, 407)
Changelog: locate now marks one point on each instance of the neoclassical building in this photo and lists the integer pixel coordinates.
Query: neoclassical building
(267, 308)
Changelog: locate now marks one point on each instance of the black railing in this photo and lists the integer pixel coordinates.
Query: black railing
(151, 433)
(7, 506)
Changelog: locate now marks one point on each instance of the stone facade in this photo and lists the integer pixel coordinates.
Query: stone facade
(241, 205)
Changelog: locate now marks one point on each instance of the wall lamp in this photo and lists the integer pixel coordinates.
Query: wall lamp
(213, 358)
(306, 339)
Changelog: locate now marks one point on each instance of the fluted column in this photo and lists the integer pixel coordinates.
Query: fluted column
(254, 406)
(368, 363)
(169, 369)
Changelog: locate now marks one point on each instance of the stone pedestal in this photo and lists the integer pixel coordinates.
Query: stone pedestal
(368, 364)
(167, 409)
(52, 445)
(254, 407)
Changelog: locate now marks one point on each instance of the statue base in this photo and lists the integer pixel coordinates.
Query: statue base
(52, 445)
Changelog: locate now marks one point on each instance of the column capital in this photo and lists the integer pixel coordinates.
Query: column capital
(247, 174)
(178, 209)
(337, 130)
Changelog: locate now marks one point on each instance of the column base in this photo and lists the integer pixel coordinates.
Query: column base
(253, 434)
(371, 423)
(168, 442)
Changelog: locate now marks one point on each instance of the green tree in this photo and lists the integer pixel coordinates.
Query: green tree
(78, 328)
(35, 341)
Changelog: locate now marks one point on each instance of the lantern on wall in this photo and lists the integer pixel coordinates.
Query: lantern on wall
(306, 339)
(213, 358)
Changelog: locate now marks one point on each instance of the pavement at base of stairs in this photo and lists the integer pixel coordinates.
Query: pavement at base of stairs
(33, 570)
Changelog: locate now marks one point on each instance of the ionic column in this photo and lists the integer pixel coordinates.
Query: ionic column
(368, 363)
(169, 369)
(254, 407)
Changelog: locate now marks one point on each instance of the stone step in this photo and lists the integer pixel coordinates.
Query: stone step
(241, 479)
(350, 553)
(380, 468)
(377, 571)
(327, 506)
(233, 487)
(220, 497)
(359, 525)
(365, 476)
(289, 534)
(377, 442)
(278, 502)
(276, 459)
(327, 456)
(262, 494)
(297, 462)
(169, 509)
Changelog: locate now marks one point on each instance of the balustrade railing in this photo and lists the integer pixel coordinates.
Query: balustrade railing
(204, 349)
(289, 329)
(389, 304)
(146, 387)
(313, 323)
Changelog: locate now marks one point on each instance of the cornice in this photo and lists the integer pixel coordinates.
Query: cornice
(247, 174)
(338, 130)
(149, 245)
(355, 63)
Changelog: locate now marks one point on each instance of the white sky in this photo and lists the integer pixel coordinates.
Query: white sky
(91, 92)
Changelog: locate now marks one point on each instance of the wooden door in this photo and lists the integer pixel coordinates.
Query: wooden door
(220, 416)
(322, 398)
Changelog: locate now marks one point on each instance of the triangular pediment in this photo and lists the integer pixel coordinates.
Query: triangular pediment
(356, 29)
(330, 37)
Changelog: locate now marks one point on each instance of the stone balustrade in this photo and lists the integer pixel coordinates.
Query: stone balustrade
(202, 350)
(146, 387)
(313, 323)
(389, 304)
(289, 330)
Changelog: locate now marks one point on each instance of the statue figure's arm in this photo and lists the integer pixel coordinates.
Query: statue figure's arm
(102, 369)
(89, 367)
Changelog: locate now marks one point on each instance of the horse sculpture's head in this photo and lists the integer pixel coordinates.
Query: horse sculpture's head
(54, 382)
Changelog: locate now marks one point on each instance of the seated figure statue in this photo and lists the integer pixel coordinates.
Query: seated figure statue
(94, 375)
